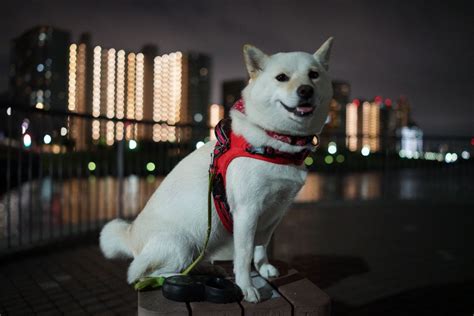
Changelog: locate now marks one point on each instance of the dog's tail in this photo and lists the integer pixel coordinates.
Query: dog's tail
(114, 239)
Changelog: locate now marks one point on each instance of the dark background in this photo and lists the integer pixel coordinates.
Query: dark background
(421, 49)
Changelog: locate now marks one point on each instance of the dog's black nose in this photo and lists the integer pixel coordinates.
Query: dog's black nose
(305, 91)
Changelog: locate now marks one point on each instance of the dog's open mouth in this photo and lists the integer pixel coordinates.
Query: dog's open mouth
(301, 110)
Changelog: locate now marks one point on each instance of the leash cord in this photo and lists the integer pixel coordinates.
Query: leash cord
(156, 282)
(209, 226)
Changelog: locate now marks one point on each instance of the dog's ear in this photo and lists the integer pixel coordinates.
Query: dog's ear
(323, 53)
(255, 60)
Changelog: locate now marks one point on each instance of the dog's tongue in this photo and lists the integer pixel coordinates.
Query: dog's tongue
(304, 109)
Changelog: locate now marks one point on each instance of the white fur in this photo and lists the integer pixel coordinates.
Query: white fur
(171, 229)
(114, 239)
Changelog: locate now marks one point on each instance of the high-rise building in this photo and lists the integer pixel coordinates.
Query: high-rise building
(216, 113)
(376, 124)
(388, 125)
(337, 116)
(371, 124)
(403, 110)
(198, 70)
(50, 72)
(231, 92)
(411, 141)
(38, 74)
(79, 96)
(38, 68)
(336, 119)
(353, 123)
(182, 92)
(363, 125)
(149, 52)
(170, 96)
(167, 90)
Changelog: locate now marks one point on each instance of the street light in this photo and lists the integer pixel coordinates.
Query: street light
(365, 151)
(47, 139)
(132, 144)
(27, 140)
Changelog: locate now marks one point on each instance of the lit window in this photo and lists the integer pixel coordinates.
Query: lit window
(203, 72)
(198, 117)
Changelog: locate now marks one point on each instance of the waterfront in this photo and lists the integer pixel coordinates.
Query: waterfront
(49, 208)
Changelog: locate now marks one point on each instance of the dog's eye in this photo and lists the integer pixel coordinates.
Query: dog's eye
(313, 75)
(282, 77)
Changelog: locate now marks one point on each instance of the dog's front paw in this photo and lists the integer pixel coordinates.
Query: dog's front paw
(267, 270)
(251, 294)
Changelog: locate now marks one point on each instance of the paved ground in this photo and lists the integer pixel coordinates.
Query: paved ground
(372, 259)
(77, 281)
(387, 258)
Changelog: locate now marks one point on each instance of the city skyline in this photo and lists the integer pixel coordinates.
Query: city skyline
(390, 49)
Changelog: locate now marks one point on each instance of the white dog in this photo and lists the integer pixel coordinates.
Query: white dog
(289, 94)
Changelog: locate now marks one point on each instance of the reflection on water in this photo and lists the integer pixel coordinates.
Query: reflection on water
(358, 186)
(40, 206)
(43, 205)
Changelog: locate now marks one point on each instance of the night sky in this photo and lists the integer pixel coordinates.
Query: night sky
(421, 49)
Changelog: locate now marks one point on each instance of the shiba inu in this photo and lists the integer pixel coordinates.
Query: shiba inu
(287, 98)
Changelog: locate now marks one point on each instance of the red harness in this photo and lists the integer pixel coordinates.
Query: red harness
(230, 146)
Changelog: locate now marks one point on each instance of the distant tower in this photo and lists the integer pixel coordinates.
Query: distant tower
(231, 92)
(363, 124)
(403, 112)
(388, 125)
(79, 90)
(198, 70)
(335, 123)
(149, 52)
(38, 75)
(352, 125)
(181, 95)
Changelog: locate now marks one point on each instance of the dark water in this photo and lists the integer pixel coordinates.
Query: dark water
(39, 208)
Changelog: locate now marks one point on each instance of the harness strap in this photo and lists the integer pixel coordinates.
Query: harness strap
(230, 146)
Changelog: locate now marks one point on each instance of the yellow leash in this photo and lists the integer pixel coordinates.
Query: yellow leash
(156, 282)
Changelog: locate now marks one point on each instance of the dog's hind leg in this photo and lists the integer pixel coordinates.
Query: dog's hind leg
(165, 253)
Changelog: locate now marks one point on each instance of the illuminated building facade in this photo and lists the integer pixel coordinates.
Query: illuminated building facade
(352, 125)
(118, 91)
(363, 125)
(216, 113)
(168, 89)
(374, 124)
(181, 95)
(78, 99)
(170, 96)
(49, 72)
(411, 142)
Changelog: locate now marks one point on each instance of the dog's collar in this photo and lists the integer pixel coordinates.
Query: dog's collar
(289, 139)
